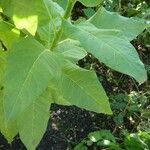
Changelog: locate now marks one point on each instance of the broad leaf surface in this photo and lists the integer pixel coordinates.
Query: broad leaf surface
(114, 51)
(130, 27)
(30, 67)
(87, 26)
(33, 121)
(8, 131)
(81, 88)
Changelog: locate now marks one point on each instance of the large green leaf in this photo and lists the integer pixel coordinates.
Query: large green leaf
(71, 50)
(41, 13)
(33, 121)
(130, 27)
(8, 131)
(115, 51)
(81, 88)
(8, 34)
(30, 69)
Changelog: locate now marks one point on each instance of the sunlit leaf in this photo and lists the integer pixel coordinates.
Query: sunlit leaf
(41, 13)
(32, 67)
(84, 83)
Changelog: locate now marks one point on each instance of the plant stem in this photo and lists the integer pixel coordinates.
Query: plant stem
(69, 8)
(67, 14)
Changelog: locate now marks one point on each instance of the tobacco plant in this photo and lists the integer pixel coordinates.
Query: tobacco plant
(39, 49)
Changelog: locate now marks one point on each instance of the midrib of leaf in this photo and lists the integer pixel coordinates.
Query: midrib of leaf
(81, 87)
(49, 32)
(26, 79)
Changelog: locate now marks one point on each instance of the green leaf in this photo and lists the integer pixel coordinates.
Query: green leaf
(90, 3)
(141, 142)
(101, 135)
(8, 34)
(8, 131)
(62, 3)
(33, 121)
(31, 18)
(81, 88)
(115, 51)
(1, 10)
(71, 50)
(89, 12)
(148, 26)
(30, 69)
(87, 26)
(130, 27)
(80, 146)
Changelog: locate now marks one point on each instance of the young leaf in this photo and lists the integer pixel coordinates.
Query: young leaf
(101, 135)
(30, 69)
(33, 121)
(81, 88)
(130, 27)
(116, 52)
